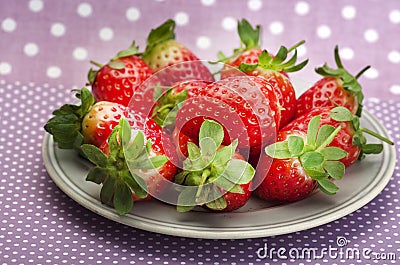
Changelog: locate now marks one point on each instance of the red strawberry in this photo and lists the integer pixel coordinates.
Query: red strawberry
(100, 120)
(301, 161)
(337, 88)
(350, 138)
(213, 176)
(271, 68)
(133, 168)
(178, 63)
(246, 107)
(247, 59)
(118, 80)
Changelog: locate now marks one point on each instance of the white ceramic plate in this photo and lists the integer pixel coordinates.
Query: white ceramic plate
(362, 183)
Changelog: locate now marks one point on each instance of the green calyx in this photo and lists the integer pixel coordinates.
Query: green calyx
(119, 172)
(279, 62)
(66, 125)
(249, 39)
(167, 105)
(162, 33)
(350, 82)
(319, 160)
(344, 115)
(114, 63)
(212, 169)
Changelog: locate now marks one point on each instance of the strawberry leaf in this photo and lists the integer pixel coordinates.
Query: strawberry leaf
(295, 145)
(249, 36)
(137, 184)
(225, 154)
(327, 186)
(193, 151)
(341, 114)
(279, 150)
(324, 133)
(335, 169)
(217, 204)
(66, 126)
(136, 147)
(227, 185)
(312, 131)
(311, 159)
(118, 65)
(162, 33)
(372, 148)
(97, 175)
(210, 130)
(107, 191)
(95, 155)
(333, 153)
(239, 171)
(186, 200)
(123, 201)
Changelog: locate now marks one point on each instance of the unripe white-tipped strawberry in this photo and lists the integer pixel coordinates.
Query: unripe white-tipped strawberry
(175, 61)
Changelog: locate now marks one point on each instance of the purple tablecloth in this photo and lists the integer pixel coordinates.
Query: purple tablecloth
(45, 48)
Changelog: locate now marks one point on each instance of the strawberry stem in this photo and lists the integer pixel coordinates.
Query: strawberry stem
(96, 64)
(362, 71)
(206, 173)
(380, 137)
(296, 46)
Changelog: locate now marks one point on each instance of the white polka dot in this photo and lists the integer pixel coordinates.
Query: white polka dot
(53, 72)
(9, 25)
(106, 34)
(35, 5)
(254, 5)
(302, 8)
(394, 56)
(371, 73)
(276, 27)
(371, 35)
(5, 68)
(346, 53)
(323, 32)
(31, 49)
(349, 12)
(207, 2)
(80, 53)
(181, 18)
(394, 16)
(203, 42)
(84, 9)
(229, 23)
(57, 29)
(395, 89)
(301, 50)
(132, 14)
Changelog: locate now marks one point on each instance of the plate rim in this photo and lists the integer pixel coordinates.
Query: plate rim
(354, 203)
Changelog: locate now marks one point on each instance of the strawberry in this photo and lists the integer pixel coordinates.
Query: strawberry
(100, 120)
(169, 99)
(118, 80)
(337, 88)
(247, 59)
(133, 166)
(246, 106)
(178, 63)
(66, 124)
(214, 176)
(301, 162)
(181, 140)
(350, 138)
(274, 69)
(248, 51)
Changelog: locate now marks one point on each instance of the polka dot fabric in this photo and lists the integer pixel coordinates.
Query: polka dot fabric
(45, 51)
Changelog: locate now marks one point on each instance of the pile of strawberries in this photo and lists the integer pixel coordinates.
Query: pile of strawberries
(159, 124)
